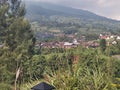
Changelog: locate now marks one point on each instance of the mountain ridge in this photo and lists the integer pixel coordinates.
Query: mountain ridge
(63, 18)
(54, 9)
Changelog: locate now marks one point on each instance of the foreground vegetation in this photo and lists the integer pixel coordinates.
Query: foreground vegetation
(23, 65)
(76, 69)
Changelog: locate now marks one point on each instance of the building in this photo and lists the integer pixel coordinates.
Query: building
(43, 86)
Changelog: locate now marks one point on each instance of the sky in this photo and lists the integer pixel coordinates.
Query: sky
(107, 8)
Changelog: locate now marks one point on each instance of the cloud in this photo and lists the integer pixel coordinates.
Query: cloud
(107, 8)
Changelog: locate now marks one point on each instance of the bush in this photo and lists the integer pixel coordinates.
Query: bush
(4, 86)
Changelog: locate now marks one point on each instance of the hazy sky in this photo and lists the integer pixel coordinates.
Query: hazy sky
(107, 8)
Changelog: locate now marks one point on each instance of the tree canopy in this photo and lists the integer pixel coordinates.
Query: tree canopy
(16, 38)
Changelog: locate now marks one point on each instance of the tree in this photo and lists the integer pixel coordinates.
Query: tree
(16, 37)
(103, 45)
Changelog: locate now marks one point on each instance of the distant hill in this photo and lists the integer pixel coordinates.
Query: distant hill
(52, 9)
(47, 13)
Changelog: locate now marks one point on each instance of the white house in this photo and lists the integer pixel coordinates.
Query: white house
(114, 42)
(118, 38)
(67, 44)
(75, 42)
(1, 46)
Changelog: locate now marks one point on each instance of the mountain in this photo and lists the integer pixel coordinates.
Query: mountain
(61, 17)
(53, 9)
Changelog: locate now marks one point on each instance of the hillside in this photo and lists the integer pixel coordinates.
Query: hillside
(66, 19)
(49, 9)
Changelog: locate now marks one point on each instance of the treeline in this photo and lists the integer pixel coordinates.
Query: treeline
(81, 25)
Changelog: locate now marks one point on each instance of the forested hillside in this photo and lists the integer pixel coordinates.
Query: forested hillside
(47, 17)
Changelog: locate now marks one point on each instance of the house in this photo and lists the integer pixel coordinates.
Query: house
(68, 45)
(71, 36)
(114, 42)
(75, 42)
(104, 37)
(112, 36)
(1, 46)
(92, 44)
(118, 38)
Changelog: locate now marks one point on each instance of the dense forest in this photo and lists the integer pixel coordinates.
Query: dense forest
(23, 64)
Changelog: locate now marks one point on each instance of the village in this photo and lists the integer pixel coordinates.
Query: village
(110, 39)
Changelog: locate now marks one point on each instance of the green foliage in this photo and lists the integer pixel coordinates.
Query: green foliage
(91, 73)
(38, 66)
(92, 70)
(56, 62)
(117, 68)
(114, 49)
(103, 45)
(16, 38)
(4, 86)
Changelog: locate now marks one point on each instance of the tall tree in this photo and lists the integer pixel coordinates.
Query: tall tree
(16, 37)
